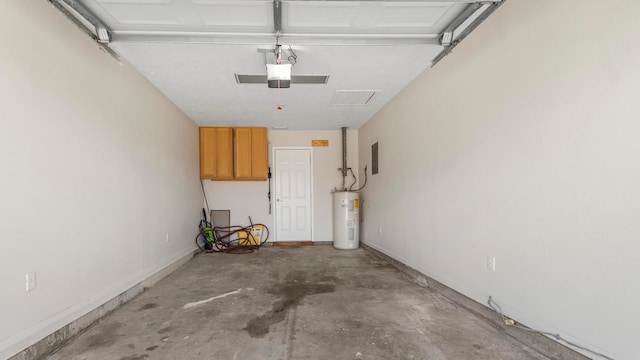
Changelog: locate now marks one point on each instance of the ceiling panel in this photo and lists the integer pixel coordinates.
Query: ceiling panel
(411, 15)
(150, 12)
(207, 91)
(314, 14)
(235, 13)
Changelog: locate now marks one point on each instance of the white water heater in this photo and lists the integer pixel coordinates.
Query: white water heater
(346, 220)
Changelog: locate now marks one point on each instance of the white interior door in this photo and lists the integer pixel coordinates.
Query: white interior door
(292, 185)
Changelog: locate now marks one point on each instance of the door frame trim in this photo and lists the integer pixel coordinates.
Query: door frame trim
(275, 166)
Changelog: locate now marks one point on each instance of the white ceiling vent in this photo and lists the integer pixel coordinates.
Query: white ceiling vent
(353, 97)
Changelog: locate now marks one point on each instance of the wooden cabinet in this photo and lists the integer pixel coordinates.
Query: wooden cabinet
(251, 154)
(216, 153)
(222, 158)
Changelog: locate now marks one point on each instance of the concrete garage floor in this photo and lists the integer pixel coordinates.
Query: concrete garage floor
(292, 303)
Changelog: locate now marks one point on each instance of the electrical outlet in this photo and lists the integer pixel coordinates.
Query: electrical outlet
(491, 263)
(380, 230)
(30, 281)
(168, 237)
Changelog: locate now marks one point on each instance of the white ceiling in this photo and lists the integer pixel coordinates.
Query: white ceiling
(191, 49)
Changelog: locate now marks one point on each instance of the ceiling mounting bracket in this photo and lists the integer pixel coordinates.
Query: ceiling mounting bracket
(446, 38)
(277, 17)
(72, 10)
(485, 9)
(102, 32)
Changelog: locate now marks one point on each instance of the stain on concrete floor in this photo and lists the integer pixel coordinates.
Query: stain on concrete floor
(107, 335)
(305, 303)
(148, 306)
(291, 292)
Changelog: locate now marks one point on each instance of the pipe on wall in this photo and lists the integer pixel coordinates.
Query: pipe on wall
(344, 155)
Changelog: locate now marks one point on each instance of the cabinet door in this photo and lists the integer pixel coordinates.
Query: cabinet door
(259, 153)
(207, 153)
(224, 154)
(216, 153)
(243, 153)
(251, 154)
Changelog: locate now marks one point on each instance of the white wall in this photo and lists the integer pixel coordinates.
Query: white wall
(249, 198)
(97, 166)
(523, 144)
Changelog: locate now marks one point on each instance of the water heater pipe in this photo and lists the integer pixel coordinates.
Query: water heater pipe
(344, 156)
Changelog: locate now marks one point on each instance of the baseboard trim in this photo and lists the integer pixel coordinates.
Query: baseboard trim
(64, 335)
(542, 344)
(293, 243)
(306, 243)
(322, 243)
